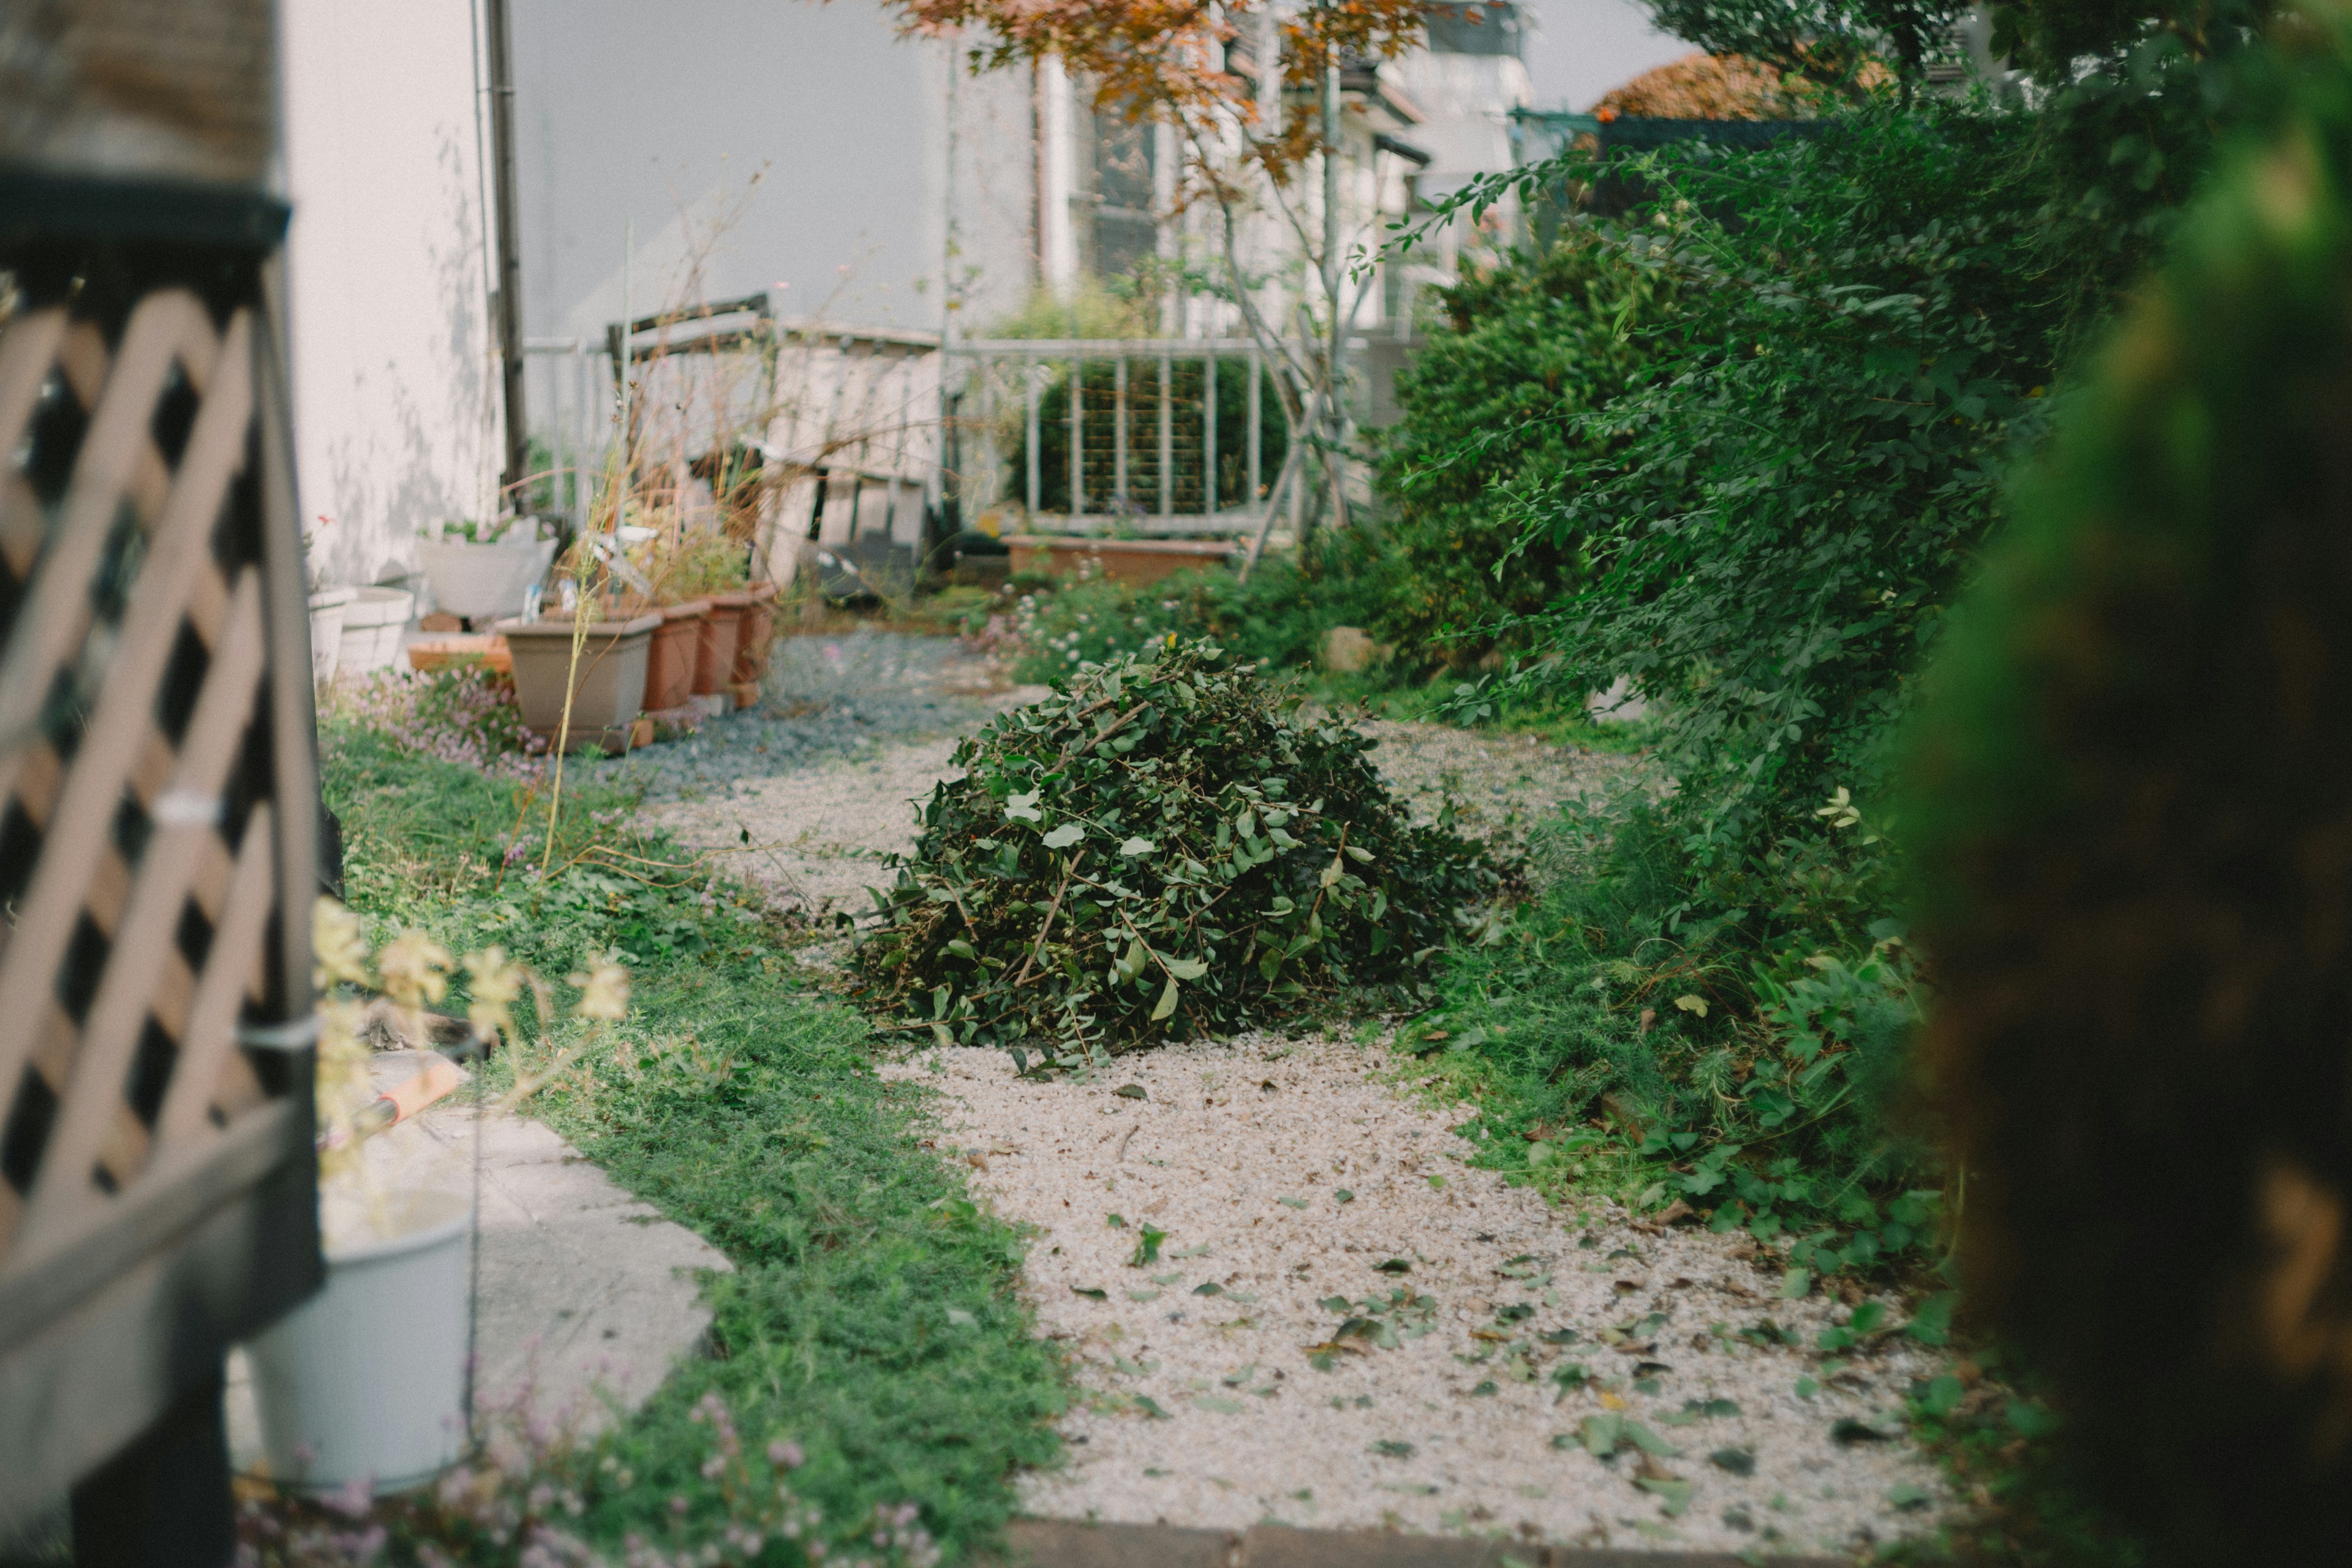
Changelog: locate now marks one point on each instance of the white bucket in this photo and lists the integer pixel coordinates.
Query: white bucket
(366, 1381)
(372, 623)
(327, 607)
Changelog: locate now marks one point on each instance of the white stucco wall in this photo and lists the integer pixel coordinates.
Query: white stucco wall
(396, 419)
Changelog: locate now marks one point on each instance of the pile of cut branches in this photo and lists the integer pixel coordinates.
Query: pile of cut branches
(1164, 849)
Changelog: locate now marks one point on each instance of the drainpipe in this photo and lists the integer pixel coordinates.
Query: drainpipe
(510, 227)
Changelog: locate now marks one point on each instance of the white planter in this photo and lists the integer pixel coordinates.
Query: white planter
(327, 607)
(372, 623)
(481, 579)
(366, 1381)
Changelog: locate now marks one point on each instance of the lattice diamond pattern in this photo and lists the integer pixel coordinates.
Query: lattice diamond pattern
(135, 799)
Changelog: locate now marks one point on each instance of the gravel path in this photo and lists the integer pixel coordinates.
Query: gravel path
(1225, 1383)
(1287, 1189)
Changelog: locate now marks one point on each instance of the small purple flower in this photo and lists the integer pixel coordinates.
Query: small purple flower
(786, 1456)
(677, 1506)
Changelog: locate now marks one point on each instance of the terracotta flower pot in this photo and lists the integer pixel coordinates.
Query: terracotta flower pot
(715, 658)
(754, 632)
(675, 649)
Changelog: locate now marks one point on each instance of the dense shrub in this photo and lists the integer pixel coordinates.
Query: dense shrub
(2131, 826)
(1494, 407)
(1162, 848)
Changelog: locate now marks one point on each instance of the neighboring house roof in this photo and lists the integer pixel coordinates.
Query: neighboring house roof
(1701, 86)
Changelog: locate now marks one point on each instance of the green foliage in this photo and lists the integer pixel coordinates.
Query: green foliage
(1160, 849)
(1831, 42)
(1275, 620)
(1098, 429)
(871, 1323)
(1608, 1048)
(1804, 478)
(2130, 781)
(1493, 407)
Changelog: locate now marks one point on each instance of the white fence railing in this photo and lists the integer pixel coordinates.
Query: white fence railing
(1162, 435)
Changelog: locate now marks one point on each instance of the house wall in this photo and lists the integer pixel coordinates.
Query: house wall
(799, 149)
(396, 417)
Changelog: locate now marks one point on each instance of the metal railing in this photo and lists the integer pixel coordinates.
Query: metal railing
(568, 388)
(1162, 435)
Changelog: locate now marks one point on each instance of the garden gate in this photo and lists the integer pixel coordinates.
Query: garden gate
(157, 777)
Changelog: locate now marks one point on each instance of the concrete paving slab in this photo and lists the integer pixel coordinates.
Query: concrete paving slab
(587, 1296)
(1065, 1543)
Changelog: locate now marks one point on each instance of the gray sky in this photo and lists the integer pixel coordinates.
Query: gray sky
(1583, 48)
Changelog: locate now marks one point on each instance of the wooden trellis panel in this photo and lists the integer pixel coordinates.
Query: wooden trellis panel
(156, 841)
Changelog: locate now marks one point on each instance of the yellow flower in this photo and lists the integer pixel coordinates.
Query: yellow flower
(416, 969)
(496, 982)
(603, 991)
(338, 948)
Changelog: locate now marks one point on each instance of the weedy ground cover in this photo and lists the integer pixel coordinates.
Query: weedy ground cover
(870, 1334)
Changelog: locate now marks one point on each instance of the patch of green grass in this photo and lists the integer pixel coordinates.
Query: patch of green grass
(872, 1319)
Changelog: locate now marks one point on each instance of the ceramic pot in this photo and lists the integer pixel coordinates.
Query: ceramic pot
(479, 580)
(714, 663)
(372, 623)
(670, 662)
(327, 607)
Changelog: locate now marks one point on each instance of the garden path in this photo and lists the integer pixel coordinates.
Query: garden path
(1300, 1181)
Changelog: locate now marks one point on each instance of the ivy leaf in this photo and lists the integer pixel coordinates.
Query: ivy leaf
(1062, 838)
(1167, 1001)
(1135, 846)
(1185, 968)
(1023, 808)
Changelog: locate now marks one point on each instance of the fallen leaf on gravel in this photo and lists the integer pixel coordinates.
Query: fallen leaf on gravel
(1344, 1195)
(1218, 1403)
(1166, 1279)
(1389, 1448)
(1700, 1410)
(1739, 1461)
(1673, 1496)
(1202, 1250)
(1558, 1337)
(1090, 1292)
(1292, 1203)
(1149, 1406)
(1484, 1389)
(1393, 1266)
(1211, 1289)
(1674, 1212)
(1850, 1432)
(1143, 1295)
(1131, 1091)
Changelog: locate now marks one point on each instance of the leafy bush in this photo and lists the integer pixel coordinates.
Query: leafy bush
(2129, 803)
(1162, 849)
(1495, 406)
(1617, 1049)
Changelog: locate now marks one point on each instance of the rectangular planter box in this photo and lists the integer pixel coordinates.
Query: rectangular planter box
(1136, 561)
(610, 688)
(433, 653)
